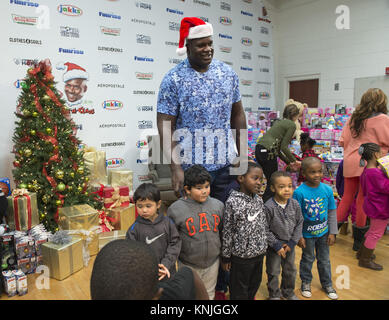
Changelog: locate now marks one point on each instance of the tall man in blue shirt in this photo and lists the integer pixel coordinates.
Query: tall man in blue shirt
(199, 100)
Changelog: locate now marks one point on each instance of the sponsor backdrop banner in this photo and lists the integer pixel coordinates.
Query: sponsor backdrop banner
(109, 57)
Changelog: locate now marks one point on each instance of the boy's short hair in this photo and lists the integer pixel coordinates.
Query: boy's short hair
(308, 161)
(276, 175)
(195, 175)
(124, 270)
(147, 191)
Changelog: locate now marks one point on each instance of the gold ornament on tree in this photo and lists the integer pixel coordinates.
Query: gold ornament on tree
(59, 174)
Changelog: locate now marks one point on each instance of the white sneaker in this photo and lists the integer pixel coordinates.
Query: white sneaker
(331, 293)
(306, 290)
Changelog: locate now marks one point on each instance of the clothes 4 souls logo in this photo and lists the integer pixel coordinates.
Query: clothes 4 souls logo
(69, 10)
(112, 105)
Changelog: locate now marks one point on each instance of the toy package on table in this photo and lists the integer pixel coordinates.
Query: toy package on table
(340, 120)
(282, 166)
(9, 281)
(253, 134)
(327, 134)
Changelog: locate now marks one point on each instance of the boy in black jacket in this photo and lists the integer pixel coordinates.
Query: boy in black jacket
(155, 229)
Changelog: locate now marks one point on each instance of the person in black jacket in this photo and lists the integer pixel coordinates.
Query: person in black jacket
(155, 229)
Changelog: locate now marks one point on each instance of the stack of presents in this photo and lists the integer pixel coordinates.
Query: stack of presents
(83, 230)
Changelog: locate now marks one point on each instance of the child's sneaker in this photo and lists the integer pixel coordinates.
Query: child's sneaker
(331, 292)
(306, 290)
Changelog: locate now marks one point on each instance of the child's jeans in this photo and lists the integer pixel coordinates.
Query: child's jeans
(323, 260)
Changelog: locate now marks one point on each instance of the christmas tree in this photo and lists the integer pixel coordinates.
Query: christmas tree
(47, 156)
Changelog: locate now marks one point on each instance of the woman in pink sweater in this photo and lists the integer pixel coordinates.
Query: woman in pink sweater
(368, 123)
(375, 186)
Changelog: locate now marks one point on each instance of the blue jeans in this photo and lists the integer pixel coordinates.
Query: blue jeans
(323, 260)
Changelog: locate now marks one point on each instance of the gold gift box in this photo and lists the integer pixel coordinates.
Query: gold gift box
(107, 237)
(63, 260)
(22, 212)
(95, 161)
(78, 217)
(123, 217)
(93, 245)
(118, 178)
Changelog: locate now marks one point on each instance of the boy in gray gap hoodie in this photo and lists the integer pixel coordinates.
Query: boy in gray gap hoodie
(198, 218)
(156, 230)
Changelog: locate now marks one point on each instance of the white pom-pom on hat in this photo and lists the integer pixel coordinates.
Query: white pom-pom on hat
(192, 28)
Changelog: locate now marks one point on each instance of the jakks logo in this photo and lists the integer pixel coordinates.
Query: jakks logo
(114, 162)
(26, 62)
(72, 51)
(69, 10)
(110, 68)
(112, 104)
(247, 41)
(24, 3)
(109, 15)
(225, 36)
(146, 59)
(69, 32)
(264, 95)
(31, 21)
(141, 144)
(144, 75)
(110, 31)
(225, 21)
(20, 84)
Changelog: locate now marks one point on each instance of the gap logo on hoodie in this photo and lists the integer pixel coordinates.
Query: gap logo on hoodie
(203, 223)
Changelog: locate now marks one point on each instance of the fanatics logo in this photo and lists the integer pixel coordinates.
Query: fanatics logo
(246, 68)
(31, 21)
(146, 59)
(175, 11)
(112, 105)
(245, 13)
(72, 51)
(69, 10)
(225, 36)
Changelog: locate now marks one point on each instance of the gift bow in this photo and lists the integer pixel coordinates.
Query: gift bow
(89, 149)
(87, 235)
(19, 192)
(116, 198)
(105, 222)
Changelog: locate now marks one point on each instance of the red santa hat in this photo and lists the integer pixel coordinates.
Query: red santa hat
(192, 28)
(73, 71)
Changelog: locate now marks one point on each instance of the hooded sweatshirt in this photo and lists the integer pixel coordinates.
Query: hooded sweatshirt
(245, 227)
(198, 225)
(161, 235)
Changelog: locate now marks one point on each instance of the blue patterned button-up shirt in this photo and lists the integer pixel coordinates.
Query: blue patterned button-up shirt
(202, 103)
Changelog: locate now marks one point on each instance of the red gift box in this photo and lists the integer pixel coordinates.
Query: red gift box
(115, 197)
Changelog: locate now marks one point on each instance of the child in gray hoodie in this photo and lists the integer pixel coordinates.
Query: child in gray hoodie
(198, 218)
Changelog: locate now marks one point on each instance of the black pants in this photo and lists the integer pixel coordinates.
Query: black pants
(268, 166)
(245, 277)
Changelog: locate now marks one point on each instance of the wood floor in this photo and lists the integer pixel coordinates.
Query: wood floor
(364, 284)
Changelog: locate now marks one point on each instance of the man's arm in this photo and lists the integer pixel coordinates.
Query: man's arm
(166, 125)
(238, 122)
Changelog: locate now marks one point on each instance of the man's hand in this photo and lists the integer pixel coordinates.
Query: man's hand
(331, 239)
(177, 180)
(301, 243)
(295, 166)
(286, 248)
(163, 271)
(226, 266)
(281, 253)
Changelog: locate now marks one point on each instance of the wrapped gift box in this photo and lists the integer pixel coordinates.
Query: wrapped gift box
(117, 178)
(78, 217)
(116, 197)
(96, 163)
(63, 259)
(90, 241)
(22, 212)
(384, 163)
(122, 218)
(107, 237)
